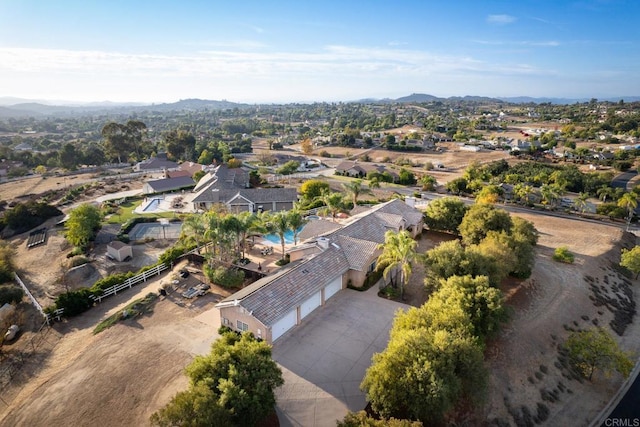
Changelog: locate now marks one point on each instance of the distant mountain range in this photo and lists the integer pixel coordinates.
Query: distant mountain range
(19, 107)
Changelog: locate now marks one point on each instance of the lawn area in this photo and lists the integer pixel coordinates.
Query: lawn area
(125, 212)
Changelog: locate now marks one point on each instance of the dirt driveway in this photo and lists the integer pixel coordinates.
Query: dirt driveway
(324, 360)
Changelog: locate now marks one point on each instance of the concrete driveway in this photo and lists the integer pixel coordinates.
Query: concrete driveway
(324, 359)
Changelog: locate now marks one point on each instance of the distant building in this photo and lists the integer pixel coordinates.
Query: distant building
(232, 187)
(156, 164)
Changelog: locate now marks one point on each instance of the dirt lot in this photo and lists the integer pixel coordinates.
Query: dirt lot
(122, 375)
(526, 368)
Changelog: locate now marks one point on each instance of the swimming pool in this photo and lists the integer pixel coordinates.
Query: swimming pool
(288, 237)
(152, 206)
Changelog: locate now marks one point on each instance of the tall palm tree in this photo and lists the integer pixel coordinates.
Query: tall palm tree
(355, 188)
(398, 254)
(247, 222)
(280, 221)
(628, 201)
(296, 221)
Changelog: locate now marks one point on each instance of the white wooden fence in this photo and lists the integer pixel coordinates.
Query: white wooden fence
(33, 300)
(113, 290)
(142, 277)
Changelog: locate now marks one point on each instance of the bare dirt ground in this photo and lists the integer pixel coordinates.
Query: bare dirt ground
(122, 375)
(38, 185)
(527, 372)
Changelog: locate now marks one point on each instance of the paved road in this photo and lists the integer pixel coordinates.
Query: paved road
(624, 179)
(628, 409)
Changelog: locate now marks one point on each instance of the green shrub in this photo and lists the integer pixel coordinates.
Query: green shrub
(169, 256)
(75, 302)
(562, 254)
(225, 277)
(10, 294)
(24, 216)
(109, 281)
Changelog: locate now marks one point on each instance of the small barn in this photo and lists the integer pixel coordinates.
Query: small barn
(119, 251)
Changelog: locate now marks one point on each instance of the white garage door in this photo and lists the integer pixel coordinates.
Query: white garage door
(332, 288)
(311, 304)
(284, 324)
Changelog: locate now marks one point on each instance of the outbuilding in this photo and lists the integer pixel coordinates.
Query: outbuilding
(119, 251)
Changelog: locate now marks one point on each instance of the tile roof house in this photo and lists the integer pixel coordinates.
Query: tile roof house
(321, 266)
(232, 187)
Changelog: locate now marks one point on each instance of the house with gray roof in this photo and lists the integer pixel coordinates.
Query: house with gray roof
(232, 187)
(320, 267)
(167, 184)
(156, 164)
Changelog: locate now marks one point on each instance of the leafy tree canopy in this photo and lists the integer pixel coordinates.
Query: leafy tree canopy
(235, 382)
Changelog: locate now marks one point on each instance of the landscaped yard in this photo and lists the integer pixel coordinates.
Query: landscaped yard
(125, 212)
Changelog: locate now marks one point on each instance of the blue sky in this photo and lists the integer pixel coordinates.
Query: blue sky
(303, 51)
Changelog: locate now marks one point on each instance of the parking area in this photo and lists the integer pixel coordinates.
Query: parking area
(324, 359)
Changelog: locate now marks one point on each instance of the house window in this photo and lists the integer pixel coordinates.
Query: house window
(372, 267)
(242, 326)
(226, 322)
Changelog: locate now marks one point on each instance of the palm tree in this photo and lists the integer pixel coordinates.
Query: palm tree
(398, 252)
(628, 201)
(247, 222)
(296, 221)
(580, 202)
(550, 194)
(333, 202)
(280, 221)
(355, 188)
(193, 228)
(605, 192)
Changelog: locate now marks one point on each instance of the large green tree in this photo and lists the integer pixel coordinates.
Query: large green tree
(445, 214)
(595, 349)
(180, 144)
(82, 225)
(482, 218)
(235, 381)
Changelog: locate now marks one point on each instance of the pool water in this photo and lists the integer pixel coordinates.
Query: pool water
(288, 237)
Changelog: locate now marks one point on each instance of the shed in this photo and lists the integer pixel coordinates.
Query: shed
(119, 251)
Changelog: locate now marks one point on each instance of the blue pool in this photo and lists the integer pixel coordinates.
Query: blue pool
(288, 237)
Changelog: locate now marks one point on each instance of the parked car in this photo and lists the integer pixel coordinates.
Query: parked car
(193, 292)
(184, 273)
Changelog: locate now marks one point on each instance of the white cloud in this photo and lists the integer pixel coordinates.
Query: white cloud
(501, 19)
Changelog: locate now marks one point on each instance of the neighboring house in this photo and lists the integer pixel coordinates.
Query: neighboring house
(119, 251)
(356, 169)
(158, 163)
(167, 184)
(186, 169)
(320, 268)
(232, 187)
